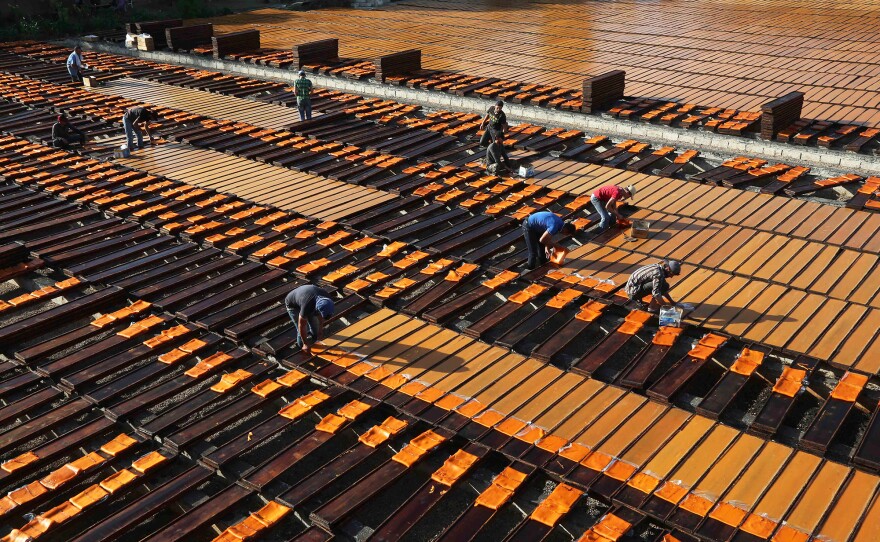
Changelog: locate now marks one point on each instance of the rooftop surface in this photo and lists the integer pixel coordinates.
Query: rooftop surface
(150, 384)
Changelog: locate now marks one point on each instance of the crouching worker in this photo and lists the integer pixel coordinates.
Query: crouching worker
(539, 229)
(65, 135)
(496, 158)
(309, 307)
(651, 279)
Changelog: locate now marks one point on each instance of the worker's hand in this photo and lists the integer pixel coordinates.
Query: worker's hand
(548, 252)
(307, 349)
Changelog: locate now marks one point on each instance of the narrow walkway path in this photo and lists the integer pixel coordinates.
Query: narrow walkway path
(200, 102)
(261, 183)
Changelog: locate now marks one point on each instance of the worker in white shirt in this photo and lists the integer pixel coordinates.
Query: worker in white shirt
(75, 65)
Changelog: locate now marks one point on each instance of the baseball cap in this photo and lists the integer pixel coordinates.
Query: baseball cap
(325, 306)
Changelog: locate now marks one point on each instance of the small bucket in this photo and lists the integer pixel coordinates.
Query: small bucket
(122, 152)
(526, 170)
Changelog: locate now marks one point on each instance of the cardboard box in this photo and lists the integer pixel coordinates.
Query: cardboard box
(91, 81)
(641, 229)
(145, 43)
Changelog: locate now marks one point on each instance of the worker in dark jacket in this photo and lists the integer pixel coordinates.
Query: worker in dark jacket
(539, 229)
(303, 88)
(309, 307)
(133, 120)
(651, 279)
(495, 123)
(66, 135)
(496, 158)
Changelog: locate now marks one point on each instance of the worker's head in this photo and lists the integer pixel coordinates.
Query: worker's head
(325, 306)
(302, 73)
(630, 191)
(62, 119)
(77, 49)
(499, 105)
(568, 228)
(673, 266)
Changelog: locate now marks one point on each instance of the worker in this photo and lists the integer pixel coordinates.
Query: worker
(75, 65)
(539, 229)
(303, 89)
(66, 135)
(309, 307)
(496, 157)
(651, 279)
(605, 200)
(495, 123)
(133, 119)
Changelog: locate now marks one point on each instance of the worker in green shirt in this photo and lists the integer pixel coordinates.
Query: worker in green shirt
(303, 88)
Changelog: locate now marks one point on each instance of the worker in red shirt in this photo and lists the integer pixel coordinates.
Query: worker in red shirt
(605, 200)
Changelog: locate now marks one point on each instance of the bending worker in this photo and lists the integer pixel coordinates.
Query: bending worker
(539, 229)
(133, 120)
(65, 134)
(309, 307)
(605, 200)
(651, 279)
(495, 123)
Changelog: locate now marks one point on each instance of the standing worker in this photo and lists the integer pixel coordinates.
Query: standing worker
(539, 229)
(651, 279)
(133, 119)
(309, 307)
(495, 123)
(303, 89)
(605, 200)
(75, 65)
(65, 135)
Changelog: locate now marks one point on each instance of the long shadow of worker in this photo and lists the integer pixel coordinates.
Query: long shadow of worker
(722, 315)
(416, 351)
(673, 225)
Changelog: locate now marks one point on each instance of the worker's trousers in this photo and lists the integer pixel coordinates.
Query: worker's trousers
(490, 135)
(132, 130)
(537, 257)
(65, 143)
(312, 321)
(497, 155)
(75, 76)
(305, 109)
(605, 218)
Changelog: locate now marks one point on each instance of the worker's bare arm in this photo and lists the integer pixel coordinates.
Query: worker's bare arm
(302, 329)
(611, 207)
(548, 241)
(147, 130)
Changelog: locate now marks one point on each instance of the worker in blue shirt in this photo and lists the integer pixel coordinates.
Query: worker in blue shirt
(539, 229)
